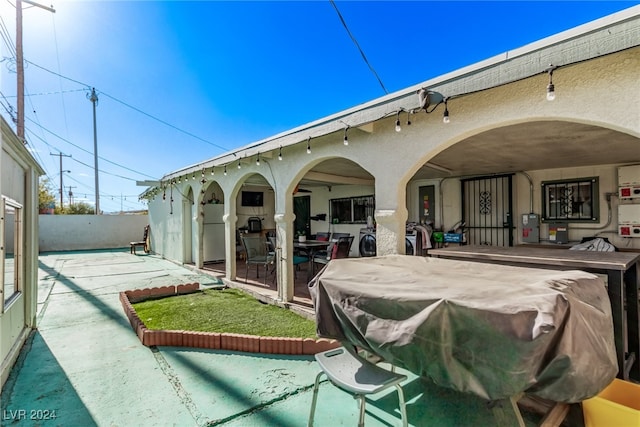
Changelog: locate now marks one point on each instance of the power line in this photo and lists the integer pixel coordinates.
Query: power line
(132, 107)
(344, 24)
(89, 152)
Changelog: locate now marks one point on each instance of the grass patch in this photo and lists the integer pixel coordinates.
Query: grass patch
(228, 310)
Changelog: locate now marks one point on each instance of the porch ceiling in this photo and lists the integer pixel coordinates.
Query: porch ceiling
(521, 147)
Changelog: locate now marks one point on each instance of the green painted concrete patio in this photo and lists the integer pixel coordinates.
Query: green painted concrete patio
(85, 365)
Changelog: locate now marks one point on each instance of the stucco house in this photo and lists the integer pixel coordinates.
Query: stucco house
(482, 146)
(19, 173)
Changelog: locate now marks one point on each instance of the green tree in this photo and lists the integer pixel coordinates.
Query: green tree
(46, 195)
(80, 208)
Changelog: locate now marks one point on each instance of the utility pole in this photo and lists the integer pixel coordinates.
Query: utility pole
(94, 100)
(71, 194)
(20, 64)
(61, 173)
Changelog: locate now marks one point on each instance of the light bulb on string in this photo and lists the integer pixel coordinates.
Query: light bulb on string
(258, 160)
(551, 89)
(445, 116)
(225, 170)
(193, 177)
(212, 172)
(280, 153)
(409, 117)
(203, 172)
(398, 128)
(345, 141)
(309, 145)
(239, 165)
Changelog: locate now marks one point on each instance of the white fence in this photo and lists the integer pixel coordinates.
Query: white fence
(81, 232)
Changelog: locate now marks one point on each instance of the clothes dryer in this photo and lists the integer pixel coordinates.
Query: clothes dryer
(367, 244)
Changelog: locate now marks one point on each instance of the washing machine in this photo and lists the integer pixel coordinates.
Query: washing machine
(410, 243)
(367, 243)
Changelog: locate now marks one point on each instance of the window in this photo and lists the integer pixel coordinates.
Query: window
(573, 200)
(11, 241)
(352, 210)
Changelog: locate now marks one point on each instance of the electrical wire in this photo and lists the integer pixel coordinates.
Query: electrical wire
(55, 42)
(89, 152)
(133, 108)
(366, 61)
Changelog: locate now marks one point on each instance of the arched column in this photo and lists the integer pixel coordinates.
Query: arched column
(230, 219)
(390, 232)
(284, 255)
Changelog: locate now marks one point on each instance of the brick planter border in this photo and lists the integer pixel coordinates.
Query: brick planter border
(212, 340)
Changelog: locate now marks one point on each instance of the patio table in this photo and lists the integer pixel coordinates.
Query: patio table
(493, 330)
(311, 247)
(623, 281)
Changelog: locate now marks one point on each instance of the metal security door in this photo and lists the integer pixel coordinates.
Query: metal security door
(486, 210)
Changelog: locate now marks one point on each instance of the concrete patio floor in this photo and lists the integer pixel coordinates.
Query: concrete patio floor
(86, 365)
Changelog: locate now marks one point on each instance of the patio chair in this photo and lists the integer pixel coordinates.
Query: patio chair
(142, 242)
(348, 371)
(340, 249)
(297, 259)
(257, 253)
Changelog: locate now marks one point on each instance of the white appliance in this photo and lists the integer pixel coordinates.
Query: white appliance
(411, 243)
(367, 244)
(213, 233)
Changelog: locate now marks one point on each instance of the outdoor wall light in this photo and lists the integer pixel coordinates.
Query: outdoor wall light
(445, 116)
(345, 141)
(280, 153)
(309, 145)
(398, 128)
(551, 89)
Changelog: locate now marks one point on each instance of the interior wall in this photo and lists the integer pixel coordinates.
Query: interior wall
(265, 212)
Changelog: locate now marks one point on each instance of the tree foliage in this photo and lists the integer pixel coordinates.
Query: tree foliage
(80, 208)
(46, 194)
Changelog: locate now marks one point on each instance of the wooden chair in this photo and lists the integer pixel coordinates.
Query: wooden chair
(144, 242)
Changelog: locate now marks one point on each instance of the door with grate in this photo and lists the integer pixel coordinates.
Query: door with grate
(487, 210)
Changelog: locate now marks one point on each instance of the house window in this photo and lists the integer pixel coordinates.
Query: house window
(573, 200)
(11, 241)
(352, 210)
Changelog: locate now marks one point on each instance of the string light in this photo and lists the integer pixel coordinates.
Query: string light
(258, 160)
(193, 177)
(551, 89)
(280, 153)
(164, 195)
(212, 172)
(203, 172)
(398, 128)
(225, 170)
(309, 145)
(239, 165)
(178, 180)
(346, 138)
(409, 118)
(445, 116)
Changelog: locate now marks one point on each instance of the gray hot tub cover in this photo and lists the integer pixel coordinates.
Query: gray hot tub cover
(491, 330)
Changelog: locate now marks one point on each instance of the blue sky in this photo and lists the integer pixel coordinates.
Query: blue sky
(225, 74)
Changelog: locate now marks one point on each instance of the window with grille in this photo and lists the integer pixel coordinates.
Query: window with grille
(352, 210)
(573, 200)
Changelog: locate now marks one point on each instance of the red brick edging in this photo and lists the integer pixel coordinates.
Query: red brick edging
(212, 340)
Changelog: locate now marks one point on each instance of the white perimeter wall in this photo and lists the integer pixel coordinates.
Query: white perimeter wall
(78, 232)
